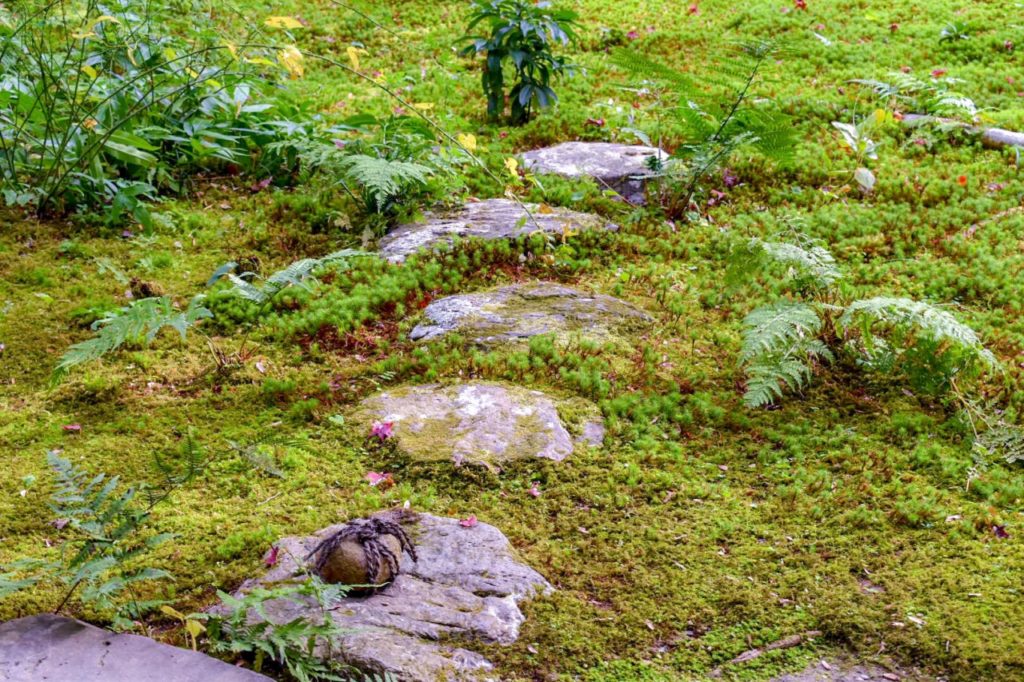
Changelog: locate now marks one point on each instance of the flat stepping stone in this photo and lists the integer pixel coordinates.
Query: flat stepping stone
(465, 586)
(489, 219)
(520, 311)
(621, 167)
(483, 423)
(58, 649)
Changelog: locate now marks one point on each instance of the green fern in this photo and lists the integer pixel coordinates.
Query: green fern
(914, 318)
(382, 181)
(779, 343)
(933, 96)
(298, 274)
(103, 528)
(808, 264)
(139, 322)
(717, 118)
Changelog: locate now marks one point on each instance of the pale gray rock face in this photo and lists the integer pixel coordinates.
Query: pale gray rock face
(518, 312)
(845, 669)
(621, 167)
(490, 219)
(482, 423)
(466, 586)
(53, 648)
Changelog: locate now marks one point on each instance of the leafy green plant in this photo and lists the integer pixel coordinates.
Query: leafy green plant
(522, 32)
(299, 274)
(139, 322)
(935, 96)
(390, 165)
(716, 115)
(301, 646)
(104, 107)
(98, 560)
(783, 341)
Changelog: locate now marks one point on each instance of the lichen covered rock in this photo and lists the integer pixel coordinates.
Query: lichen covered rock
(483, 423)
(518, 312)
(621, 167)
(490, 219)
(465, 585)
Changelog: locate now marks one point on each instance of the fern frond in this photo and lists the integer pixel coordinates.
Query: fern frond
(139, 322)
(383, 180)
(779, 343)
(648, 69)
(805, 260)
(298, 274)
(916, 317)
(776, 329)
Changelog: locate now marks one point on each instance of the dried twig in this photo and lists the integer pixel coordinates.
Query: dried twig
(784, 643)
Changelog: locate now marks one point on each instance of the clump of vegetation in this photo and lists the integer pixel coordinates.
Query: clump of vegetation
(103, 107)
(715, 114)
(524, 33)
(782, 341)
(106, 538)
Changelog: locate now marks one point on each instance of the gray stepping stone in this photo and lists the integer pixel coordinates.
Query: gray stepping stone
(520, 311)
(489, 219)
(621, 167)
(483, 423)
(52, 648)
(466, 586)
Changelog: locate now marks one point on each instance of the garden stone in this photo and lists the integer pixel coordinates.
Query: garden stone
(483, 423)
(489, 219)
(51, 648)
(518, 312)
(620, 167)
(465, 586)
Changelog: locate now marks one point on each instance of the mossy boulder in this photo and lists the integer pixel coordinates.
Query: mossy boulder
(483, 423)
(490, 219)
(521, 311)
(624, 168)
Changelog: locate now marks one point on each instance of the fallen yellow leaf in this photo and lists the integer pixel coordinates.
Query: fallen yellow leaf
(424, 106)
(467, 140)
(353, 55)
(282, 22)
(513, 167)
(291, 59)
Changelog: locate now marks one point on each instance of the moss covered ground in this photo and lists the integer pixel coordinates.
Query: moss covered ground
(702, 528)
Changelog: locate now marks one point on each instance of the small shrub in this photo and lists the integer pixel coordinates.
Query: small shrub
(522, 32)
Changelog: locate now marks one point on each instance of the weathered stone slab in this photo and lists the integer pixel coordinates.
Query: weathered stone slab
(520, 311)
(483, 423)
(52, 648)
(621, 167)
(489, 219)
(466, 586)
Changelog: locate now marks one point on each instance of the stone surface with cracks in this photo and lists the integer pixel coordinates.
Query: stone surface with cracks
(623, 168)
(466, 586)
(489, 219)
(483, 422)
(521, 311)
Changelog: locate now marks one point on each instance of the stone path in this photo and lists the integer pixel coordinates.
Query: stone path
(489, 219)
(621, 167)
(520, 311)
(49, 648)
(483, 423)
(466, 586)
